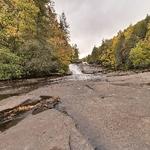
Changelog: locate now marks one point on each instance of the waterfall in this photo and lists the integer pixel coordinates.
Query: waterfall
(75, 69)
(78, 75)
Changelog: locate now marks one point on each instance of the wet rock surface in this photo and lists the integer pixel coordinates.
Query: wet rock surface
(90, 69)
(103, 114)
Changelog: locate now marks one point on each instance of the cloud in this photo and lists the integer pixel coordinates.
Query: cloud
(92, 21)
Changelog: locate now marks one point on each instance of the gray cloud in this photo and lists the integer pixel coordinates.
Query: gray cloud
(93, 20)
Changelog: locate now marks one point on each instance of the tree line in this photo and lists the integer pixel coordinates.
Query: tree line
(129, 49)
(33, 41)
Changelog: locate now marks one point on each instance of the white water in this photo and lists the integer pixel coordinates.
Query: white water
(78, 75)
(75, 69)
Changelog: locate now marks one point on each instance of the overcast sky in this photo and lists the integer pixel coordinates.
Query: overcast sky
(93, 20)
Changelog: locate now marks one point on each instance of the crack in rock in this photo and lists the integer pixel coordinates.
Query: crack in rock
(12, 116)
(88, 86)
(62, 109)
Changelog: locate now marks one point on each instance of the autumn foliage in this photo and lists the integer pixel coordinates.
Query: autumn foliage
(127, 50)
(33, 41)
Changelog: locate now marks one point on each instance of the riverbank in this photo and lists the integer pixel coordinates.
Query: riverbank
(11, 88)
(107, 113)
(97, 69)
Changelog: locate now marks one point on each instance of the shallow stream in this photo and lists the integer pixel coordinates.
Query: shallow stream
(18, 87)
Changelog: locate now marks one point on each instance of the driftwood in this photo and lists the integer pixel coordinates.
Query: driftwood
(32, 106)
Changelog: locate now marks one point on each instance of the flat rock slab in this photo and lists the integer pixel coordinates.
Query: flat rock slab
(50, 130)
(110, 115)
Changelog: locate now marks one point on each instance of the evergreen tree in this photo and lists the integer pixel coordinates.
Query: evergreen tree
(31, 34)
(75, 53)
(64, 25)
(119, 50)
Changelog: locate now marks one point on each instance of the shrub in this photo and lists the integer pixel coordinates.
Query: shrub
(140, 55)
(10, 67)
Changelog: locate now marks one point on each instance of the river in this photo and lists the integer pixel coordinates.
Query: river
(77, 74)
(111, 113)
(18, 87)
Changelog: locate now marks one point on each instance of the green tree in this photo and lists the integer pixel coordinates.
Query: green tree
(10, 67)
(75, 53)
(29, 30)
(118, 51)
(64, 26)
(140, 55)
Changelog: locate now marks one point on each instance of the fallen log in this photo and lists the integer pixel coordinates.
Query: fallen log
(32, 106)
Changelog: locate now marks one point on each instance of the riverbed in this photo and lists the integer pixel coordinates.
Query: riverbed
(106, 112)
(18, 87)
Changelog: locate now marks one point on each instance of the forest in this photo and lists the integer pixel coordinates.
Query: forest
(129, 49)
(34, 41)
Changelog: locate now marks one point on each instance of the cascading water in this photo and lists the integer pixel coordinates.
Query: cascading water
(77, 73)
(75, 69)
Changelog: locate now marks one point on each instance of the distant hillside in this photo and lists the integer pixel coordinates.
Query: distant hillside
(129, 49)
